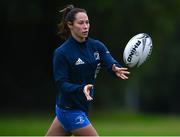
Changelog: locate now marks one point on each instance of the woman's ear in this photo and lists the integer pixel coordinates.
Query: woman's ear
(69, 24)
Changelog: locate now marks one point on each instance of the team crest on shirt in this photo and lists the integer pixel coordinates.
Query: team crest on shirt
(96, 55)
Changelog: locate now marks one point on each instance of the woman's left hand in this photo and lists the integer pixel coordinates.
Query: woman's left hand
(120, 72)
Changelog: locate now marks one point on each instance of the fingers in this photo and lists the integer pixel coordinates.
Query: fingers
(89, 86)
(121, 72)
(125, 72)
(123, 76)
(86, 91)
(115, 68)
(123, 68)
(89, 98)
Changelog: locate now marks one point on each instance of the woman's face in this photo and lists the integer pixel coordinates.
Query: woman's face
(80, 27)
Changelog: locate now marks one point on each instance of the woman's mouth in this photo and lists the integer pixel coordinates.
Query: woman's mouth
(85, 33)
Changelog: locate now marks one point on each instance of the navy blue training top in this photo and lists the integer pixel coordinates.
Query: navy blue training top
(76, 65)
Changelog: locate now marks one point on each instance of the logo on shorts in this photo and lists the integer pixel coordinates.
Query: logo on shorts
(79, 120)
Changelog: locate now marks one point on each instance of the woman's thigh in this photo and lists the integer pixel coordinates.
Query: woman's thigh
(85, 131)
(56, 129)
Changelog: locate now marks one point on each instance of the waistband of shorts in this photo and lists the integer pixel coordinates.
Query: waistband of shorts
(70, 108)
(65, 107)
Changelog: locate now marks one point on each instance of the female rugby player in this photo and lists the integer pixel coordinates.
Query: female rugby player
(76, 63)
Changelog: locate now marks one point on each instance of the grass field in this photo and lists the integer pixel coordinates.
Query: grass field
(106, 123)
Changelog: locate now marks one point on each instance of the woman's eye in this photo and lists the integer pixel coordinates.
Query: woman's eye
(81, 22)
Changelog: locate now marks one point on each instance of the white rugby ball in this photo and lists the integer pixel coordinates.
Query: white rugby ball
(137, 50)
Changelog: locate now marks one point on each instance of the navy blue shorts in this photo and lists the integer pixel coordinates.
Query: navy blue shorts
(71, 119)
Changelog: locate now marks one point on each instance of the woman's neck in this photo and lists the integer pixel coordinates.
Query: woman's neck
(79, 39)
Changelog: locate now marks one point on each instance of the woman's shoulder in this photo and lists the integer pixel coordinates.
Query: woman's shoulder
(95, 41)
(62, 47)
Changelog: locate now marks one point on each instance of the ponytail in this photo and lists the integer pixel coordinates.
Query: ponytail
(68, 15)
(63, 29)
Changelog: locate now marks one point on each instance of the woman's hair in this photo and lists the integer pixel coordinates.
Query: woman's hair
(68, 15)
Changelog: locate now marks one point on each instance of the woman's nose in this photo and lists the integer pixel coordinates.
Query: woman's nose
(85, 25)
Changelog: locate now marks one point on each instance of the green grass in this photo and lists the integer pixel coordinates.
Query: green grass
(106, 123)
(137, 124)
(22, 125)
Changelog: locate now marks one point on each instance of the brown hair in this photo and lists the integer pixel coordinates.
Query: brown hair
(68, 15)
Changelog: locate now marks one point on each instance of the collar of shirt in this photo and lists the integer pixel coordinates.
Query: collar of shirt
(78, 43)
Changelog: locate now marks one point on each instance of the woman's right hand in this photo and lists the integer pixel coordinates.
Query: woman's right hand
(86, 91)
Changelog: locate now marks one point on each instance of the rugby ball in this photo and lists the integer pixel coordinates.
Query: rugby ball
(137, 50)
